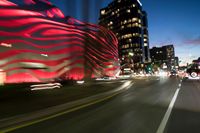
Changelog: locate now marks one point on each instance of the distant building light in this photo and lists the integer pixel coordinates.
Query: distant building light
(131, 54)
(6, 45)
(2, 77)
(164, 67)
(80, 82)
(45, 55)
(127, 69)
(128, 10)
(103, 12)
(31, 65)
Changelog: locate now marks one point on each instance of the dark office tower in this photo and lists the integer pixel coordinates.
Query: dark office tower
(164, 57)
(170, 54)
(145, 37)
(129, 23)
(176, 61)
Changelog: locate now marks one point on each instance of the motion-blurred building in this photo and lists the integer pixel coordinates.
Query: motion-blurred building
(164, 57)
(40, 44)
(128, 21)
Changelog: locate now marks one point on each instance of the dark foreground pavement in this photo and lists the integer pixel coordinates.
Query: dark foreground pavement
(140, 109)
(19, 99)
(185, 117)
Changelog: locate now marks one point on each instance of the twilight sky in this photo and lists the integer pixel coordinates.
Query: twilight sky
(170, 21)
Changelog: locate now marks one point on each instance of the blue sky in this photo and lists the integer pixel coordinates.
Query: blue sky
(170, 21)
(177, 22)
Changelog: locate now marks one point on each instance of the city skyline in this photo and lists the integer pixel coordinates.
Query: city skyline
(169, 22)
(86, 66)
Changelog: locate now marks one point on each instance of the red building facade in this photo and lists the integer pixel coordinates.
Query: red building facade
(40, 45)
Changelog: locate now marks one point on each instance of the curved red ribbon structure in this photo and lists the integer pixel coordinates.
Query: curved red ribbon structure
(39, 44)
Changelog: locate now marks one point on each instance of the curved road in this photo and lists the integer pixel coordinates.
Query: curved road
(140, 109)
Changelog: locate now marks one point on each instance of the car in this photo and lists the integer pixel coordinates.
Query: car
(173, 73)
(193, 71)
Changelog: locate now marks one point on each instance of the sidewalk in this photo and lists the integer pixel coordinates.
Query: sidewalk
(26, 105)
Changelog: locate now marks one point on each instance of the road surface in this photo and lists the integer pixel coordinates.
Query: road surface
(156, 105)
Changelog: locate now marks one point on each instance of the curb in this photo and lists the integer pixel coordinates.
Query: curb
(20, 121)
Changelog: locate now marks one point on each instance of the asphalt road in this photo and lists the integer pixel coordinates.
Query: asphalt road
(21, 100)
(149, 105)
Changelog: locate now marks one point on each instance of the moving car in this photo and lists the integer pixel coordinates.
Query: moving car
(173, 73)
(193, 72)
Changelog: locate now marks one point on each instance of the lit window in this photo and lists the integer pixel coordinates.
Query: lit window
(125, 21)
(128, 10)
(103, 12)
(134, 19)
(113, 13)
(129, 26)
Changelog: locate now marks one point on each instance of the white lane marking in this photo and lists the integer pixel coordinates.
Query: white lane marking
(179, 85)
(168, 113)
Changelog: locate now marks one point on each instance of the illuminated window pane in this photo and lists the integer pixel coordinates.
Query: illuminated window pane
(103, 12)
(128, 10)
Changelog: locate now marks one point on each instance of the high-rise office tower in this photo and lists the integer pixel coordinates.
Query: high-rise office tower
(128, 21)
(164, 56)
